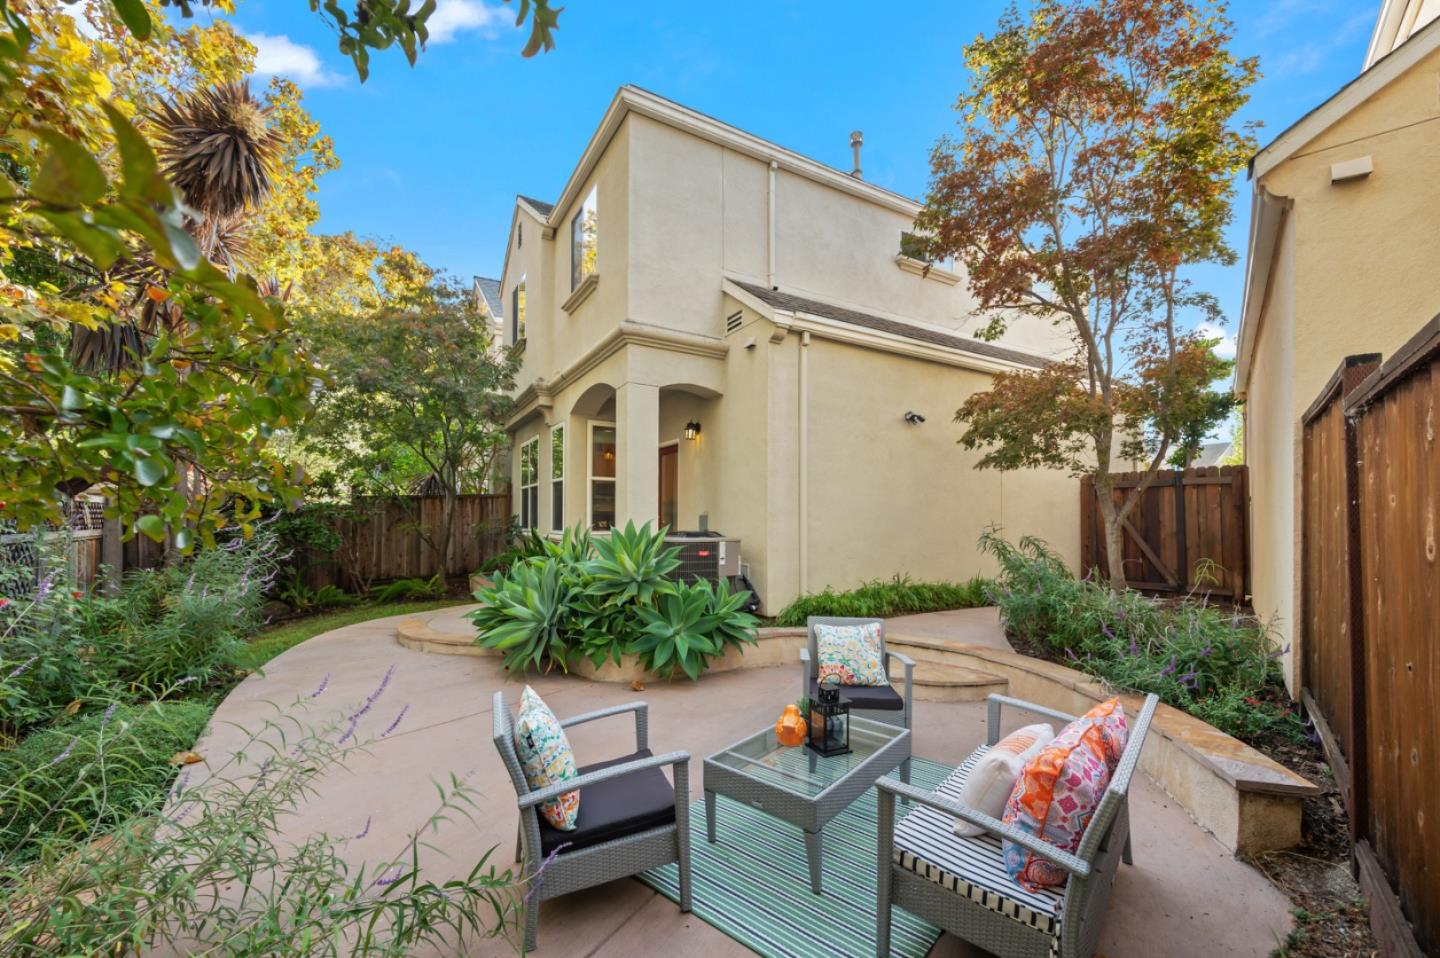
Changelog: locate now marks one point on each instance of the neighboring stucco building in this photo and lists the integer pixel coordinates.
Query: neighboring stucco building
(1344, 258)
(717, 330)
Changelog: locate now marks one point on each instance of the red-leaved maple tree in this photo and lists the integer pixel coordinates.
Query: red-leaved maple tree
(1093, 167)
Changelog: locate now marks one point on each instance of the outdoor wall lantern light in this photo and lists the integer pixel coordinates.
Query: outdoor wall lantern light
(692, 430)
(914, 418)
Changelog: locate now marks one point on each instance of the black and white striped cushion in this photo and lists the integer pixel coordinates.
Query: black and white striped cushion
(926, 844)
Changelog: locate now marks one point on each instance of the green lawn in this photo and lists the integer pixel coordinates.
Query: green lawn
(271, 642)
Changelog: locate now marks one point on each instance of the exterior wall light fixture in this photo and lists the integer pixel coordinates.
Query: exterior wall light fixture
(692, 430)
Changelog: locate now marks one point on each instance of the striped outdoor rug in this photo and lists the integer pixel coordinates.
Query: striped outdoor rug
(753, 883)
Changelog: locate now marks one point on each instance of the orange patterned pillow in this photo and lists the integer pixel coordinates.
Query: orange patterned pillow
(1059, 790)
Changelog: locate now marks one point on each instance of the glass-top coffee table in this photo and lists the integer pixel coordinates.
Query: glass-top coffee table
(798, 786)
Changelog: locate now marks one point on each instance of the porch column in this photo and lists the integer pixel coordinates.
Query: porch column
(637, 441)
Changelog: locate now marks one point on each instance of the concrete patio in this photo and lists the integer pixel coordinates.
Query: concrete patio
(1185, 896)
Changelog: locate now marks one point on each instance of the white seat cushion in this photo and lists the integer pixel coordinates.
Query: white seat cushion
(926, 844)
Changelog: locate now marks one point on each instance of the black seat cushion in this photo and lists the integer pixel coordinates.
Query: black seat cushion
(615, 808)
(881, 697)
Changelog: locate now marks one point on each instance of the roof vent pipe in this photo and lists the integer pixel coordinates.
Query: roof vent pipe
(856, 140)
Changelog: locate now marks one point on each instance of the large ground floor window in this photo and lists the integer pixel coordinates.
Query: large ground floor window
(602, 475)
(530, 483)
(557, 478)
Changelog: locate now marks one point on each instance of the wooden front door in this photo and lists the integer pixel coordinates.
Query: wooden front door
(669, 485)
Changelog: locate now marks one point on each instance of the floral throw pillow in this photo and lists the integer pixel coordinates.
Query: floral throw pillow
(850, 653)
(1058, 792)
(546, 758)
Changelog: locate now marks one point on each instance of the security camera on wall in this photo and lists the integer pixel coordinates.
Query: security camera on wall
(914, 418)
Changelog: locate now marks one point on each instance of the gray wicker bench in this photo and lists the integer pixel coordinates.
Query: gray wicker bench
(631, 819)
(961, 884)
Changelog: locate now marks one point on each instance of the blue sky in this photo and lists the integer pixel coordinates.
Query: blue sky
(433, 156)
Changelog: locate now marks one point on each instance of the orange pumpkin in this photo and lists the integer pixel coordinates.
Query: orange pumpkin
(790, 727)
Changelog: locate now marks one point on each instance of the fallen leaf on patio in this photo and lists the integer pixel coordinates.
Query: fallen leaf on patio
(185, 758)
(637, 686)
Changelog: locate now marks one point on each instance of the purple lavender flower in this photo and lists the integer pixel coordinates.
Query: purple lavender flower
(180, 784)
(1070, 654)
(538, 878)
(46, 584)
(374, 696)
(1189, 680)
(349, 730)
(1205, 652)
(391, 727)
(1169, 669)
(388, 878)
(1108, 634)
(109, 714)
(65, 754)
(364, 831)
(20, 669)
(1134, 649)
(1278, 653)
(320, 689)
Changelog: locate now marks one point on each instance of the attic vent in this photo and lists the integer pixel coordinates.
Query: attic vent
(734, 321)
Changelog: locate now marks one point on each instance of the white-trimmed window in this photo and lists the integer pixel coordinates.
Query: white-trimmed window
(584, 232)
(600, 505)
(517, 311)
(530, 483)
(557, 478)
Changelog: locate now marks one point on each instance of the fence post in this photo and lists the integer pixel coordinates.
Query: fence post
(112, 556)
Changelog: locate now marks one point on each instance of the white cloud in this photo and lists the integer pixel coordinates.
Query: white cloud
(1225, 349)
(1312, 56)
(278, 55)
(452, 17)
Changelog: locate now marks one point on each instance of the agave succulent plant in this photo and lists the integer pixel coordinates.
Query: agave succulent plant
(631, 565)
(690, 626)
(525, 615)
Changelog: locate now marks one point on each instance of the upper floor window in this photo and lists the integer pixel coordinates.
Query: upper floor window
(584, 229)
(913, 247)
(517, 311)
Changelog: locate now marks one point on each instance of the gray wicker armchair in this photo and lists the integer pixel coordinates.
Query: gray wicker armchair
(961, 884)
(879, 703)
(631, 819)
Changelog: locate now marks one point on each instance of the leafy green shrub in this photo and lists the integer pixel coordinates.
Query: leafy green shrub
(602, 597)
(411, 590)
(1216, 664)
(878, 599)
(86, 775)
(524, 544)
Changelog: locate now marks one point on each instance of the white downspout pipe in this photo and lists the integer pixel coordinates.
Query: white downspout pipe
(770, 215)
(803, 511)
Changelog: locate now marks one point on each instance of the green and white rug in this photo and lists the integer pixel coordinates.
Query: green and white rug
(753, 883)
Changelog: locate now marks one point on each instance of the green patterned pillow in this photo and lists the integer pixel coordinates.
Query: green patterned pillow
(545, 755)
(850, 653)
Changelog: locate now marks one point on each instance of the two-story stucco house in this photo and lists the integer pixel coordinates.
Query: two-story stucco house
(716, 331)
(1343, 259)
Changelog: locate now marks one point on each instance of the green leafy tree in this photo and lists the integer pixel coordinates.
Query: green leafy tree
(1094, 166)
(416, 382)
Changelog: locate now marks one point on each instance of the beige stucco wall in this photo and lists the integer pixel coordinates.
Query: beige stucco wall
(886, 497)
(1356, 272)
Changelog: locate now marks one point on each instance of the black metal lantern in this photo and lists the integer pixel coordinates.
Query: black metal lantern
(829, 722)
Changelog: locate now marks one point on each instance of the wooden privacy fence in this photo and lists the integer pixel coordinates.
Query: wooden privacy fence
(39, 551)
(390, 538)
(1370, 622)
(1186, 534)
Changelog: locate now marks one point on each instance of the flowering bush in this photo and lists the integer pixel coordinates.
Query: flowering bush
(170, 628)
(1219, 665)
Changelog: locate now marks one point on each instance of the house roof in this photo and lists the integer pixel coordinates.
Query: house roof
(539, 206)
(1211, 453)
(894, 327)
(489, 290)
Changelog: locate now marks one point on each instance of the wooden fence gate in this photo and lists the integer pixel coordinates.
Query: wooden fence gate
(1370, 622)
(1187, 534)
